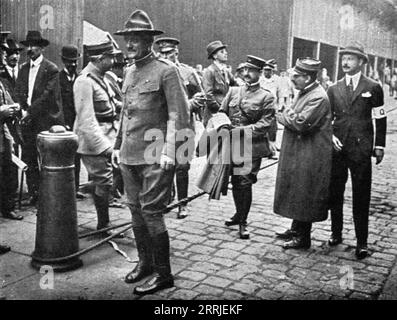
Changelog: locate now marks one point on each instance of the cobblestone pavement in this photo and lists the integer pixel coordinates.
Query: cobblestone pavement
(209, 261)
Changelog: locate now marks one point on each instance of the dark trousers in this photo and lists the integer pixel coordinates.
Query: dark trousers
(361, 173)
(6, 194)
(182, 180)
(77, 167)
(30, 157)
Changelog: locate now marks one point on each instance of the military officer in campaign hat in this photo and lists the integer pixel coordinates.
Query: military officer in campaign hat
(251, 112)
(155, 108)
(168, 48)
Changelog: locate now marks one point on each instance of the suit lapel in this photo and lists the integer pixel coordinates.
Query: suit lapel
(39, 76)
(342, 88)
(219, 74)
(359, 89)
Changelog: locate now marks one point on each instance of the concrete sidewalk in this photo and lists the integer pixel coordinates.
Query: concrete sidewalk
(210, 262)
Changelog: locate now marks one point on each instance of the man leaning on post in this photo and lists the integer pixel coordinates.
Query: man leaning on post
(154, 101)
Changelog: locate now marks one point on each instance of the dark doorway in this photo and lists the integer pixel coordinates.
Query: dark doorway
(328, 55)
(303, 48)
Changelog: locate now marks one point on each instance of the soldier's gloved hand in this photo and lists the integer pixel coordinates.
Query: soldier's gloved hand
(379, 154)
(116, 158)
(166, 163)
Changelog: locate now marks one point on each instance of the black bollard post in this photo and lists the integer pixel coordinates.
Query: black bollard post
(56, 229)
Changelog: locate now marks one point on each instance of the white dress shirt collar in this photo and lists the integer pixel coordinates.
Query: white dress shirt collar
(355, 78)
(36, 62)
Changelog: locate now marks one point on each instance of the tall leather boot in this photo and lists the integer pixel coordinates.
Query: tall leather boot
(162, 277)
(144, 266)
(238, 198)
(245, 209)
(102, 210)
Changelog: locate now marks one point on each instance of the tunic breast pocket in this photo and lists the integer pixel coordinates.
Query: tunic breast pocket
(149, 95)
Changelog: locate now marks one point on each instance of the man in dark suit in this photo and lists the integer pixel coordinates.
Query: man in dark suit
(11, 69)
(67, 77)
(217, 78)
(355, 101)
(37, 91)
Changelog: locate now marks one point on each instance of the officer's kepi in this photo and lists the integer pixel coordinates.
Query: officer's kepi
(166, 45)
(255, 63)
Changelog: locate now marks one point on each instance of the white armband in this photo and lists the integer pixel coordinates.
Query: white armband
(378, 113)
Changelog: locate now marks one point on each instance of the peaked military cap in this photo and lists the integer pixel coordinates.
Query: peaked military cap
(255, 62)
(139, 22)
(213, 47)
(167, 44)
(305, 66)
(357, 49)
(106, 48)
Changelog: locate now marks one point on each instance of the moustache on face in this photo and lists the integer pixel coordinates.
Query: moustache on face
(345, 66)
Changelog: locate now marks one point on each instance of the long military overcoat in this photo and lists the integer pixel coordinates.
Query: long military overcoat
(304, 170)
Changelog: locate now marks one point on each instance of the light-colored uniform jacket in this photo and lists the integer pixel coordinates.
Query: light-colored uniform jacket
(95, 112)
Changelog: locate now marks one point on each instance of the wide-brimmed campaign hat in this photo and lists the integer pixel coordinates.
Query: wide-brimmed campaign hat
(70, 53)
(357, 49)
(255, 62)
(213, 47)
(304, 66)
(101, 49)
(167, 44)
(34, 38)
(139, 22)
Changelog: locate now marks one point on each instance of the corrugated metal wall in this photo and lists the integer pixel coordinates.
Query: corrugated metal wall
(59, 21)
(258, 27)
(332, 23)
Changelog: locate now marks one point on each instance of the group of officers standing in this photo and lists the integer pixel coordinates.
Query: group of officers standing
(119, 117)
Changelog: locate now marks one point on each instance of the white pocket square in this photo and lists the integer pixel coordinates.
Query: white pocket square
(366, 95)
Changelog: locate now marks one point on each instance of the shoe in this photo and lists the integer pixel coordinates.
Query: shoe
(141, 270)
(232, 222)
(362, 252)
(80, 196)
(243, 232)
(182, 212)
(12, 216)
(334, 241)
(286, 235)
(297, 243)
(155, 284)
(4, 249)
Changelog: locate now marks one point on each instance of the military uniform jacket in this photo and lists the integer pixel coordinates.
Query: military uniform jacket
(95, 112)
(252, 108)
(155, 107)
(190, 79)
(352, 120)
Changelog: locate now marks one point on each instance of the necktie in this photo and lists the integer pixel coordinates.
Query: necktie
(350, 90)
(13, 74)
